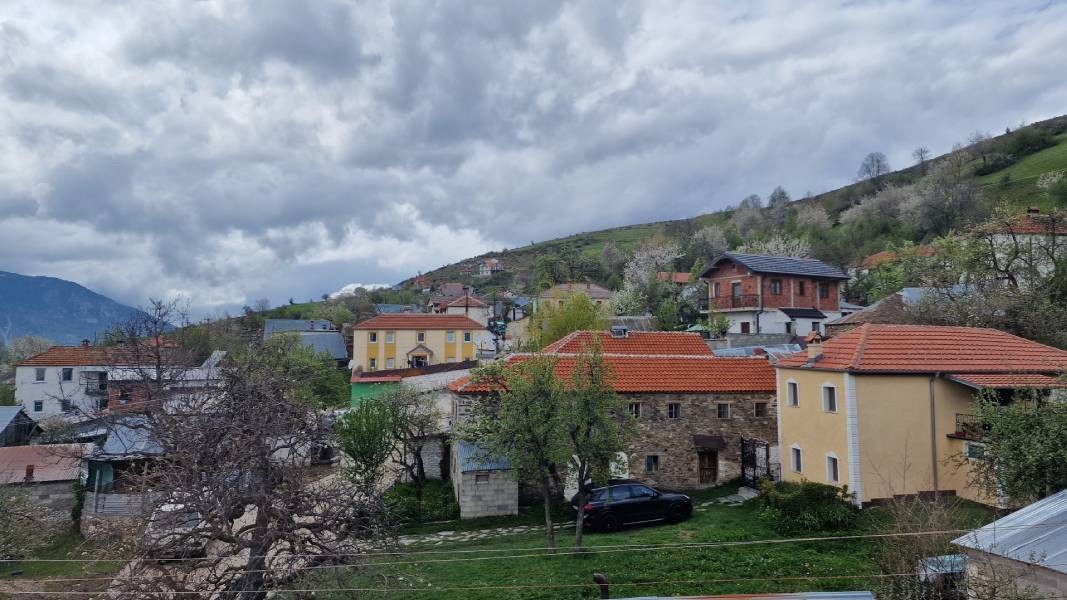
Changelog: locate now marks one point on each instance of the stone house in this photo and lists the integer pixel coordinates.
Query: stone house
(692, 408)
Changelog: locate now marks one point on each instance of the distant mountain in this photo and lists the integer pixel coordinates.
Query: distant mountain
(59, 310)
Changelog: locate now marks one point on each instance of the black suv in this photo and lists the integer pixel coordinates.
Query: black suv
(625, 503)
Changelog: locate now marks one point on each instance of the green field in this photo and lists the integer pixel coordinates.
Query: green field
(1020, 189)
(508, 567)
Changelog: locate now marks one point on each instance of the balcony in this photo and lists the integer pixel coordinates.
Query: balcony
(968, 427)
(744, 301)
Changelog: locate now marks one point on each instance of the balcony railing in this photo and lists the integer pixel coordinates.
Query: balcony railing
(728, 302)
(969, 427)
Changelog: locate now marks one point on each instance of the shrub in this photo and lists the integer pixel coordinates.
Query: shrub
(438, 502)
(807, 507)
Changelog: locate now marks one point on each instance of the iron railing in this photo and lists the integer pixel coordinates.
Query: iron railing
(742, 301)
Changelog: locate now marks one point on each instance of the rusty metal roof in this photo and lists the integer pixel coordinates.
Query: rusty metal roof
(53, 462)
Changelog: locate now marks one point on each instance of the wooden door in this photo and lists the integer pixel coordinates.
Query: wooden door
(709, 466)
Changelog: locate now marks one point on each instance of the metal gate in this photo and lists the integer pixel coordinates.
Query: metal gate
(756, 462)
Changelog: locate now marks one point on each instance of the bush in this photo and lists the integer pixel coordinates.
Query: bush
(438, 502)
(807, 507)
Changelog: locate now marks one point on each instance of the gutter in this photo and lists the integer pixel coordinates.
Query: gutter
(933, 435)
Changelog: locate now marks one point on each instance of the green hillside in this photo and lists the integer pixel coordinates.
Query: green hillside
(1013, 187)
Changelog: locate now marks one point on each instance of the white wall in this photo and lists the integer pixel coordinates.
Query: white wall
(52, 391)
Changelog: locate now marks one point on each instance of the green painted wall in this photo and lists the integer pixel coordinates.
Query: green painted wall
(369, 390)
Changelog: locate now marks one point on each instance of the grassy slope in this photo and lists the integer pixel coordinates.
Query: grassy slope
(1019, 193)
(691, 569)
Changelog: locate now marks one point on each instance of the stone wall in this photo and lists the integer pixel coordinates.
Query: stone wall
(672, 439)
(486, 494)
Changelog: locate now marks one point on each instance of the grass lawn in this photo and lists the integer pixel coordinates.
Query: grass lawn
(68, 546)
(498, 565)
(1021, 190)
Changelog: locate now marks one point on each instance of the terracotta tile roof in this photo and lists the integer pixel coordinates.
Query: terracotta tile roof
(85, 356)
(592, 290)
(878, 348)
(56, 462)
(1028, 223)
(667, 374)
(471, 301)
(636, 342)
(1008, 380)
(673, 277)
(890, 309)
(419, 321)
(885, 256)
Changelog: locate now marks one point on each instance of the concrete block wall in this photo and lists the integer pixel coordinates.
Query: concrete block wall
(486, 494)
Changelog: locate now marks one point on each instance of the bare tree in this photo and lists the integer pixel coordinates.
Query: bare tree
(232, 482)
(921, 155)
(874, 168)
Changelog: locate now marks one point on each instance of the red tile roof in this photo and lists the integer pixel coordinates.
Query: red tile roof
(56, 462)
(675, 277)
(1008, 380)
(1029, 223)
(420, 321)
(885, 256)
(468, 301)
(86, 356)
(666, 374)
(635, 342)
(879, 348)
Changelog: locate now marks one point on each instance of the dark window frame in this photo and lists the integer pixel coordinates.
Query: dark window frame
(674, 410)
(719, 406)
(776, 287)
(761, 407)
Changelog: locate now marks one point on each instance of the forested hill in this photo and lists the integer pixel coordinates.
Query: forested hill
(883, 209)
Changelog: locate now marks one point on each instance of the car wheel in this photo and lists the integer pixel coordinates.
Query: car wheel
(677, 514)
(609, 523)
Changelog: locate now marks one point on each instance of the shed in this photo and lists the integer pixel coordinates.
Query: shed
(483, 483)
(16, 427)
(44, 474)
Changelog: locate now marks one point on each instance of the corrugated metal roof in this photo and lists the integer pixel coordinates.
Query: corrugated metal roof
(475, 458)
(803, 313)
(272, 326)
(8, 414)
(1035, 534)
(774, 350)
(331, 342)
(127, 438)
(56, 462)
(782, 265)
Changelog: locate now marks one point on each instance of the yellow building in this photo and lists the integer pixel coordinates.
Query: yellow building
(399, 341)
(889, 409)
(557, 294)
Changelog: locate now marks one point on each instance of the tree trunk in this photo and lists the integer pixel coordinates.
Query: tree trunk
(550, 530)
(579, 522)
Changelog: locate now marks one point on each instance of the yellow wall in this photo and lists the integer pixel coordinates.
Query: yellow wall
(405, 341)
(815, 431)
(894, 432)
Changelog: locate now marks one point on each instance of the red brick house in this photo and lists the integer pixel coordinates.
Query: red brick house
(774, 294)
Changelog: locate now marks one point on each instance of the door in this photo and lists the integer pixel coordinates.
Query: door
(647, 504)
(709, 466)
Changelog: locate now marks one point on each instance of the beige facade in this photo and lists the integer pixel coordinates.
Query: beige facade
(383, 349)
(890, 434)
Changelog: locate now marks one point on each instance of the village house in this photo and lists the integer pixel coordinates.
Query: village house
(680, 279)
(692, 408)
(317, 334)
(888, 410)
(773, 294)
(489, 267)
(557, 294)
(469, 306)
(1027, 548)
(397, 341)
(44, 475)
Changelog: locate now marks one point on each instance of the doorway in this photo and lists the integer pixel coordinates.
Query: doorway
(709, 466)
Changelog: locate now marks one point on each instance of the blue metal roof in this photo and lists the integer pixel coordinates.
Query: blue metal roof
(8, 414)
(128, 437)
(771, 349)
(1035, 534)
(325, 341)
(272, 326)
(475, 458)
(387, 309)
(781, 265)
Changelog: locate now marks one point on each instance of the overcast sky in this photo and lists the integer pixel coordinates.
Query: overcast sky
(229, 151)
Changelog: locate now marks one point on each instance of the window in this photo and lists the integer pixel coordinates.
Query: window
(824, 290)
(761, 409)
(652, 463)
(832, 473)
(829, 398)
(390, 363)
(481, 478)
(374, 337)
(674, 410)
(815, 327)
(974, 451)
(789, 327)
(798, 462)
(641, 491)
(450, 336)
(793, 392)
(64, 405)
(635, 409)
(746, 327)
(420, 336)
(466, 337)
(718, 290)
(390, 337)
(776, 287)
(38, 405)
(722, 411)
(373, 364)
(38, 374)
(68, 374)
(801, 288)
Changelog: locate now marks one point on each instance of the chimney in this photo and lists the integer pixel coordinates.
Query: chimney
(1033, 210)
(466, 300)
(814, 347)
(85, 343)
(29, 473)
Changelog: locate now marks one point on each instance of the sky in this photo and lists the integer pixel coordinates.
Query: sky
(227, 151)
